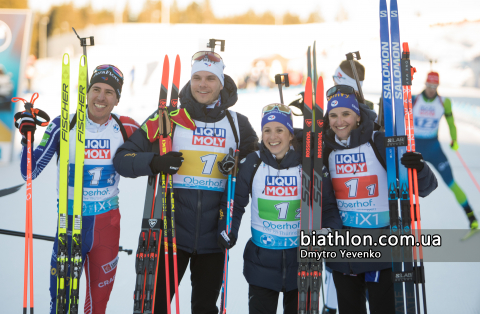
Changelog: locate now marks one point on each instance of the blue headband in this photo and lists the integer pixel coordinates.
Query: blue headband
(343, 100)
(277, 116)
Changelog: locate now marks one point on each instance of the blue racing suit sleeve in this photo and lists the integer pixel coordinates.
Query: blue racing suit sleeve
(44, 152)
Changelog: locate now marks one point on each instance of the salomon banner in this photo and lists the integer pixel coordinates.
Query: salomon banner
(15, 32)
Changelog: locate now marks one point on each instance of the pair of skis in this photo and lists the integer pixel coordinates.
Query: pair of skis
(75, 259)
(155, 210)
(28, 270)
(309, 278)
(405, 272)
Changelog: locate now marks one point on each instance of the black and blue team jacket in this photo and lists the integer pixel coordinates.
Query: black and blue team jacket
(196, 211)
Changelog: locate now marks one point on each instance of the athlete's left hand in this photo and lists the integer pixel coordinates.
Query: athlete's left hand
(413, 160)
(226, 242)
(454, 145)
(227, 163)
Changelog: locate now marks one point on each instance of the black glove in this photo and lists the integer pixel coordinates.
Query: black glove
(25, 124)
(226, 241)
(227, 163)
(168, 163)
(413, 160)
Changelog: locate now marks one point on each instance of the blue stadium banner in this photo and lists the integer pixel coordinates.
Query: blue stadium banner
(15, 33)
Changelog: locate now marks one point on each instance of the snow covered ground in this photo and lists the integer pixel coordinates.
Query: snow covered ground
(451, 287)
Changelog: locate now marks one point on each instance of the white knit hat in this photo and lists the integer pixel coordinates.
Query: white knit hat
(209, 66)
(341, 78)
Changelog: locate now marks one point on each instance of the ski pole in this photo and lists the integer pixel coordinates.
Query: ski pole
(407, 77)
(83, 44)
(278, 81)
(28, 217)
(232, 178)
(11, 190)
(468, 170)
(350, 58)
(223, 308)
(28, 230)
(48, 238)
(212, 42)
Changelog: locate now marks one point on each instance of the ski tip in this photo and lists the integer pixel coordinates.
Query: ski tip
(319, 96)
(176, 71)
(308, 93)
(66, 59)
(83, 59)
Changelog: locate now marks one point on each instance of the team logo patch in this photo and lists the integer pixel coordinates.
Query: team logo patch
(281, 186)
(50, 127)
(350, 163)
(272, 117)
(427, 111)
(267, 240)
(44, 139)
(97, 149)
(209, 137)
(110, 266)
(334, 103)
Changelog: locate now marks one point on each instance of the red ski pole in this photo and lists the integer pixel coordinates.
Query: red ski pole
(412, 176)
(28, 216)
(468, 170)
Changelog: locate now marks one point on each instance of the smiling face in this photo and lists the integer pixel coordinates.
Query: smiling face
(205, 87)
(101, 100)
(276, 138)
(342, 121)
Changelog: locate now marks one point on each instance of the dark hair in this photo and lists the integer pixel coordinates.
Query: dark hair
(345, 66)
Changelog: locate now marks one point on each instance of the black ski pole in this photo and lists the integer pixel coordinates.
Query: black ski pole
(84, 44)
(278, 81)
(350, 57)
(213, 42)
(11, 190)
(47, 238)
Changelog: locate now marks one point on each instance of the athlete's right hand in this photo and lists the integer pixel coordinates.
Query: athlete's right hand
(25, 124)
(168, 163)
